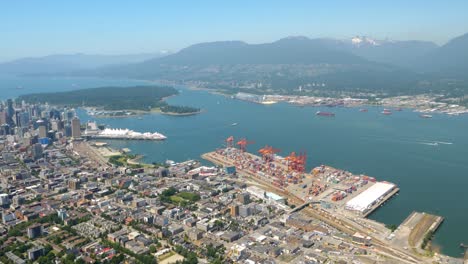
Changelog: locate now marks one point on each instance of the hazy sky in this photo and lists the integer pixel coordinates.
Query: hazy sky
(43, 27)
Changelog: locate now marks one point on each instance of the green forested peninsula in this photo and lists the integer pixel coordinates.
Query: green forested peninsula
(108, 98)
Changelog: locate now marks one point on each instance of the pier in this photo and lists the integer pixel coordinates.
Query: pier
(414, 228)
(381, 202)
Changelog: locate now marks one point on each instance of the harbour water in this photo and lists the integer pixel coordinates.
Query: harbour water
(426, 158)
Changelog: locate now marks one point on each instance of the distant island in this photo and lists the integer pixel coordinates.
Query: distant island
(115, 101)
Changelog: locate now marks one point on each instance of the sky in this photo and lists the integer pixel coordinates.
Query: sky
(39, 28)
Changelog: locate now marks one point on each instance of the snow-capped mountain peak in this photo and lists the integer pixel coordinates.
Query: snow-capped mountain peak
(363, 40)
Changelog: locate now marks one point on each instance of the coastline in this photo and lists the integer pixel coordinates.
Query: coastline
(136, 113)
(423, 103)
(336, 215)
(158, 111)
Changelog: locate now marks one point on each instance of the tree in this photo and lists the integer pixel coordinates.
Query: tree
(191, 258)
(392, 227)
(169, 192)
(152, 249)
(69, 258)
(215, 253)
(219, 223)
(48, 249)
(117, 259)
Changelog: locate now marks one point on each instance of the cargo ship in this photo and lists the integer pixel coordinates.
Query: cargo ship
(320, 113)
(425, 116)
(386, 112)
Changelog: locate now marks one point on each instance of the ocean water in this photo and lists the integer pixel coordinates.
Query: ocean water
(12, 86)
(427, 158)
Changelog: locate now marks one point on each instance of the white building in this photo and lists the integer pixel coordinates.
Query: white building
(365, 200)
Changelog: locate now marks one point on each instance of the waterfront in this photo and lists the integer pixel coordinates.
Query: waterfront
(398, 148)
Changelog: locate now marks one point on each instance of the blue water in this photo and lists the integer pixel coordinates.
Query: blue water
(12, 86)
(395, 148)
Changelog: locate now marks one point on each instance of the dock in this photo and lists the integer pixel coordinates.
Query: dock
(414, 228)
(323, 186)
(321, 193)
(381, 202)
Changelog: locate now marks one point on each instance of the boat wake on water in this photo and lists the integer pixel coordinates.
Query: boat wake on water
(429, 143)
(409, 141)
(444, 143)
(435, 143)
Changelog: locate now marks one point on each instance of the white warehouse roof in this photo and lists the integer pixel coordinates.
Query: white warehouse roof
(368, 197)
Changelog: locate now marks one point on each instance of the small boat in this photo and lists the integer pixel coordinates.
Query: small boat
(398, 109)
(140, 118)
(363, 110)
(320, 113)
(386, 112)
(425, 116)
(234, 124)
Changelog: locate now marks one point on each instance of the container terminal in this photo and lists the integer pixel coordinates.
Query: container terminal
(336, 197)
(333, 188)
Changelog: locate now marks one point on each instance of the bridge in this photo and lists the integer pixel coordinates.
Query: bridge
(302, 206)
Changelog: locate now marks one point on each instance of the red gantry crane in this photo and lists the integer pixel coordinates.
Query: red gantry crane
(243, 144)
(297, 162)
(268, 153)
(229, 142)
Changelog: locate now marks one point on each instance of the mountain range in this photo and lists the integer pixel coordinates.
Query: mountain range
(413, 55)
(67, 63)
(360, 64)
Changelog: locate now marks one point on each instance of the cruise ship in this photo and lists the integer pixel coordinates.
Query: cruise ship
(110, 133)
